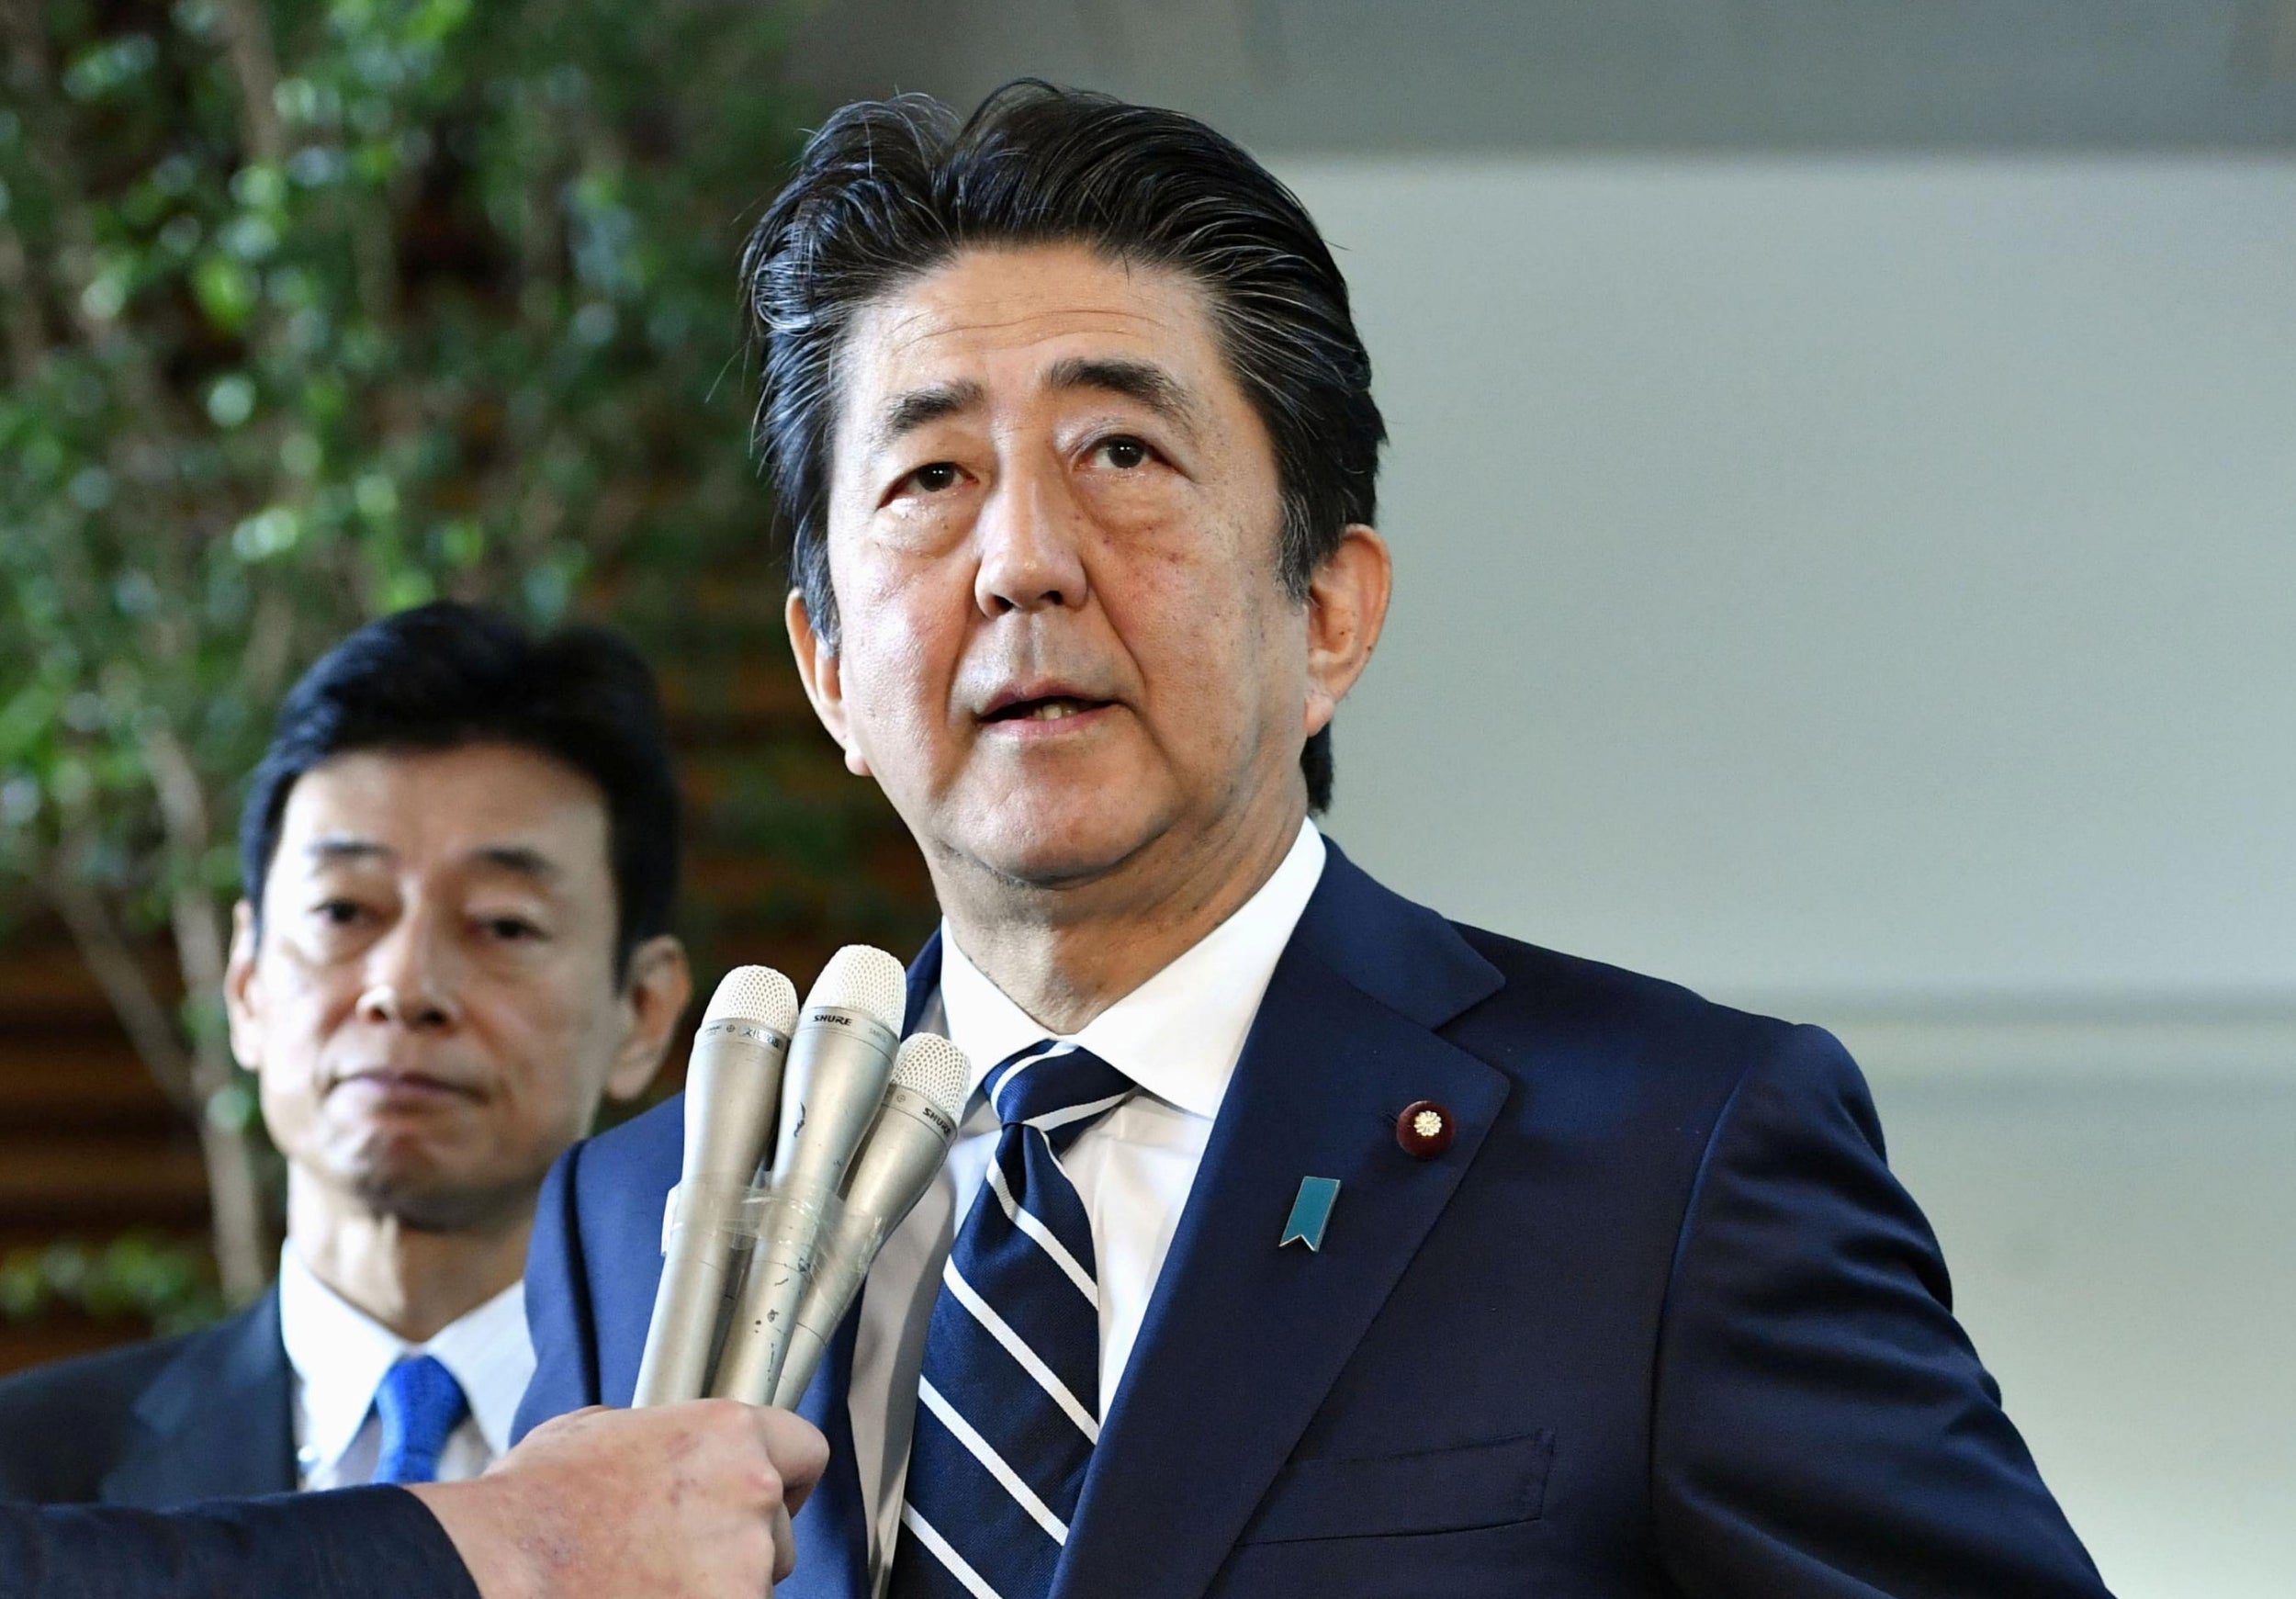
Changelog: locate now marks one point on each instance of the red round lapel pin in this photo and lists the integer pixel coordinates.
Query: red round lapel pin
(1425, 1129)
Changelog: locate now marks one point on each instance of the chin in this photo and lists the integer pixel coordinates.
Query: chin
(419, 1189)
(1062, 849)
(433, 1206)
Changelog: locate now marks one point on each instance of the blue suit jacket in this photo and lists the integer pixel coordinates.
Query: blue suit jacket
(1660, 1321)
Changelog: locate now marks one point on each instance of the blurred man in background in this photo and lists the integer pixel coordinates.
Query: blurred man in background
(461, 854)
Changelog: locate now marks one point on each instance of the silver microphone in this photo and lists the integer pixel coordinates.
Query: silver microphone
(839, 1057)
(898, 1161)
(733, 1088)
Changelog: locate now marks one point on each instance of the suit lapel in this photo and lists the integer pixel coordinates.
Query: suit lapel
(1243, 1339)
(217, 1423)
(924, 983)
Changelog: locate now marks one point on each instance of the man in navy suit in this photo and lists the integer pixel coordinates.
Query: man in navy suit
(460, 853)
(1615, 1294)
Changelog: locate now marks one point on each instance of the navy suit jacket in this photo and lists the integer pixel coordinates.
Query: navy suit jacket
(1659, 1323)
(206, 1415)
(359, 1543)
(166, 1425)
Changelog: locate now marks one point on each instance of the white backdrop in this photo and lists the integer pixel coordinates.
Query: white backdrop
(1838, 579)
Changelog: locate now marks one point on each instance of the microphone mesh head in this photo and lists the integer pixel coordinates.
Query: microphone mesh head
(860, 978)
(934, 1067)
(758, 994)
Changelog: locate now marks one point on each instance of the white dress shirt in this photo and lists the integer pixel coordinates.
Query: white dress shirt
(340, 1353)
(1177, 1036)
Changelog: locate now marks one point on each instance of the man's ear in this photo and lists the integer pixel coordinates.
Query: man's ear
(660, 983)
(242, 994)
(817, 666)
(1346, 607)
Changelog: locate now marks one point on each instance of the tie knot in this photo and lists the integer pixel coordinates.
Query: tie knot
(1054, 1088)
(421, 1404)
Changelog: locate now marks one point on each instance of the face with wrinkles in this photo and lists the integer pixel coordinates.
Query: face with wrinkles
(431, 1003)
(1064, 645)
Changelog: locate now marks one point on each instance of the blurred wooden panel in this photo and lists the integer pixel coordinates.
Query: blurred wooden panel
(102, 1181)
(89, 1146)
(58, 1338)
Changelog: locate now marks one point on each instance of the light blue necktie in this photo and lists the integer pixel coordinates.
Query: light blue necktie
(421, 1404)
(1008, 1403)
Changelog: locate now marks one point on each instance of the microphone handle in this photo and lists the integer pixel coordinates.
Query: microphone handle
(809, 1335)
(688, 1302)
(757, 1339)
(837, 1065)
(904, 1152)
(734, 1083)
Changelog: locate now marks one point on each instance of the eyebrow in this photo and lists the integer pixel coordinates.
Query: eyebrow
(519, 858)
(908, 412)
(336, 848)
(1144, 381)
(522, 859)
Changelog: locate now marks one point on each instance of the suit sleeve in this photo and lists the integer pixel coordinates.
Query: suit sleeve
(557, 1306)
(1822, 1425)
(360, 1543)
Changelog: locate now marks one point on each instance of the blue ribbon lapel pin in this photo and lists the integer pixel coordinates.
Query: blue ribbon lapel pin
(1311, 1212)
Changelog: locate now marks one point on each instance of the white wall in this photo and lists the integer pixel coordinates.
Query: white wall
(2123, 1256)
(1868, 589)
(1838, 578)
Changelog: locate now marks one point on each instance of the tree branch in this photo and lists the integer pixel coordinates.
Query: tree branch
(47, 153)
(26, 38)
(242, 1233)
(28, 336)
(191, 1077)
(270, 639)
(257, 66)
(106, 951)
(192, 910)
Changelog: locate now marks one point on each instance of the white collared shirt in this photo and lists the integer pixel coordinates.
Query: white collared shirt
(1177, 1036)
(339, 1354)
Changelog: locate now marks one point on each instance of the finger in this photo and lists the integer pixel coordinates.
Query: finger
(798, 1451)
(784, 1545)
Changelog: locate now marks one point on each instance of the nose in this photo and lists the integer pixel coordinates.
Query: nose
(410, 978)
(1027, 535)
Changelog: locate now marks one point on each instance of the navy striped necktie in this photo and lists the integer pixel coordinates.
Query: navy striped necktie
(1008, 1403)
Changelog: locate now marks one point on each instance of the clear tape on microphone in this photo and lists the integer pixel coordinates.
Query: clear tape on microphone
(798, 1241)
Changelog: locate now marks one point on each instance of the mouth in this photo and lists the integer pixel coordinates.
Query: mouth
(394, 1084)
(1043, 706)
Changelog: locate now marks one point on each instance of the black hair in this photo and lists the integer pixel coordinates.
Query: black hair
(888, 190)
(448, 674)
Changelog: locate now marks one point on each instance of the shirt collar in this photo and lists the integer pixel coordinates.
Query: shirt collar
(1179, 1034)
(488, 1351)
(340, 1353)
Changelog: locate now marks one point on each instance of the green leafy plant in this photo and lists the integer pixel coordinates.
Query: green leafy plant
(312, 312)
(160, 1282)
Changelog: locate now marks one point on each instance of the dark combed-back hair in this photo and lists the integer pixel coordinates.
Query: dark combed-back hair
(888, 190)
(448, 674)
